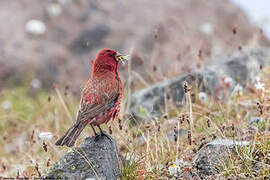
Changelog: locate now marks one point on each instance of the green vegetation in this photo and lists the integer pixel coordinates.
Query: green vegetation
(24, 153)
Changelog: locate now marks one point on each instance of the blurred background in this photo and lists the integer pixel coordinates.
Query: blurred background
(47, 48)
(49, 42)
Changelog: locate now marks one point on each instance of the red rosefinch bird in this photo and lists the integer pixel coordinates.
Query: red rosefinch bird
(101, 96)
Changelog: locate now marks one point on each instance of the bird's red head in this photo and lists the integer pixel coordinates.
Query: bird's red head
(107, 60)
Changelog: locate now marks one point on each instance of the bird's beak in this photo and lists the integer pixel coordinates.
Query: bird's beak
(122, 58)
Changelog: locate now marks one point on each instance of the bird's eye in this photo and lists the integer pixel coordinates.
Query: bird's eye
(111, 54)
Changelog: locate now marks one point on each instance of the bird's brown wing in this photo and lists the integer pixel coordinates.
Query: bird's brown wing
(87, 111)
(100, 96)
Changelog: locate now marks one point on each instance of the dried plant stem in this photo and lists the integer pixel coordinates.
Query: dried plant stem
(128, 88)
(162, 149)
(140, 78)
(64, 105)
(177, 145)
(156, 146)
(150, 154)
(189, 104)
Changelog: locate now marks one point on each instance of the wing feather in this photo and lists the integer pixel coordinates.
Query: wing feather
(99, 96)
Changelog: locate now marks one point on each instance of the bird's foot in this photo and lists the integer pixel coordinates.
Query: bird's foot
(97, 137)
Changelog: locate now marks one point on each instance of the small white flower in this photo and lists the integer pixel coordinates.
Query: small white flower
(36, 83)
(174, 169)
(6, 105)
(203, 97)
(45, 135)
(54, 9)
(35, 27)
(207, 29)
(259, 85)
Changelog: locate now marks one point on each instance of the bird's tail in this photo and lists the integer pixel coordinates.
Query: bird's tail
(71, 135)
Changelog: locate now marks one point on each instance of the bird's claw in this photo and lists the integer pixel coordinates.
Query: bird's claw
(97, 137)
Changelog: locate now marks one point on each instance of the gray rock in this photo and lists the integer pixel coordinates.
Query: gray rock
(237, 70)
(210, 159)
(92, 159)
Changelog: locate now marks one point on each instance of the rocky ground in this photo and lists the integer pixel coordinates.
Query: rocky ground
(94, 158)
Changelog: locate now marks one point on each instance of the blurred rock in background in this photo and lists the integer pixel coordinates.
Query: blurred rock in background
(55, 41)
